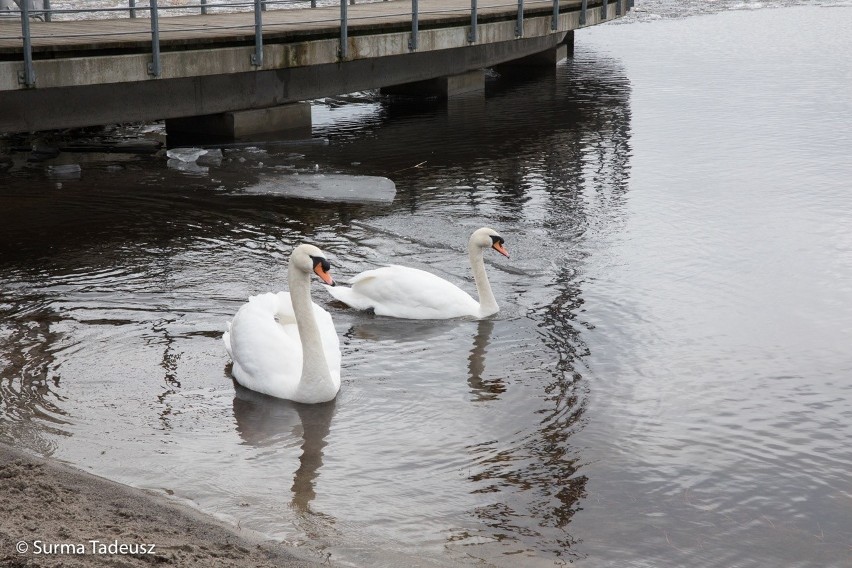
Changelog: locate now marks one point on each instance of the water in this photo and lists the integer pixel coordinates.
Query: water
(666, 384)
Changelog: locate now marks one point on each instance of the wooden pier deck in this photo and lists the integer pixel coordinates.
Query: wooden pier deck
(70, 38)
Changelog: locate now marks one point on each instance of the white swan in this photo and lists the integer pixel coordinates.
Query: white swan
(401, 292)
(283, 344)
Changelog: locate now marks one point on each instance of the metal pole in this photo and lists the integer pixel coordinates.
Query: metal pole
(603, 10)
(154, 66)
(257, 56)
(263, 6)
(313, 3)
(412, 43)
(344, 31)
(554, 24)
(27, 76)
(132, 8)
(203, 6)
(583, 8)
(519, 26)
(48, 17)
(472, 35)
(618, 7)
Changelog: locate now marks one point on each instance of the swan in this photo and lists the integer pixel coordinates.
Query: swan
(402, 292)
(283, 344)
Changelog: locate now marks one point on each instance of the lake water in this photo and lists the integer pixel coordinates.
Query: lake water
(668, 382)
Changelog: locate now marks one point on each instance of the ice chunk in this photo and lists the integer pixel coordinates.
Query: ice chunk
(211, 158)
(65, 171)
(330, 187)
(187, 167)
(187, 155)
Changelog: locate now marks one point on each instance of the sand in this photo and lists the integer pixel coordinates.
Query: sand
(55, 511)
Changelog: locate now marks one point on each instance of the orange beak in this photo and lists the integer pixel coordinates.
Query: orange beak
(501, 249)
(324, 276)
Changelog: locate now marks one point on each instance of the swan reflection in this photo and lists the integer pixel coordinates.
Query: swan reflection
(482, 389)
(263, 421)
(401, 331)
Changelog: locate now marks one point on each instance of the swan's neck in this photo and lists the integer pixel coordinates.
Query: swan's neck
(487, 303)
(316, 377)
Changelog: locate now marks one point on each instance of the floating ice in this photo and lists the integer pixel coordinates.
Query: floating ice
(331, 187)
(187, 167)
(211, 158)
(186, 154)
(65, 171)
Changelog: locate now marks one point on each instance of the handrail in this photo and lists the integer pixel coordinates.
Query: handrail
(27, 76)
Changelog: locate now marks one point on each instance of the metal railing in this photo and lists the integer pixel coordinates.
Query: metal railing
(153, 10)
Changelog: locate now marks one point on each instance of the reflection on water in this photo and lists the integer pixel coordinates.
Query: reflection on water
(661, 386)
(265, 421)
(450, 440)
(29, 384)
(483, 389)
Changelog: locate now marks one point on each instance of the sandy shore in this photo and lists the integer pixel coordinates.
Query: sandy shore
(45, 504)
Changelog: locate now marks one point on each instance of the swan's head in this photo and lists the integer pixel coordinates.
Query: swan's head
(489, 238)
(309, 258)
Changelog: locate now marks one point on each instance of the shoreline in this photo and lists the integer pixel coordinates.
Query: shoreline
(50, 514)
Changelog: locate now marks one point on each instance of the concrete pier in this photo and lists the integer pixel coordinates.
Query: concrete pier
(442, 87)
(290, 120)
(100, 71)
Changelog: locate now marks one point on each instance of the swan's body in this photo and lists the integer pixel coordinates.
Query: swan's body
(283, 344)
(402, 292)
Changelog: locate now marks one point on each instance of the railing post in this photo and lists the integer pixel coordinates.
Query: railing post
(313, 3)
(48, 16)
(344, 31)
(132, 8)
(154, 66)
(263, 6)
(27, 76)
(472, 35)
(519, 26)
(603, 10)
(257, 56)
(618, 7)
(204, 6)
(554, 25)
(583, 7)
(415, 12)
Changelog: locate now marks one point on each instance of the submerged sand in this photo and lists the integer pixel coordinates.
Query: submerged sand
(50, 513)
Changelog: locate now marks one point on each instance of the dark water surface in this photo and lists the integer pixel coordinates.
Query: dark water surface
(668, 382)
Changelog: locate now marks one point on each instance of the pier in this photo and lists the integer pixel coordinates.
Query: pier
(241, 73)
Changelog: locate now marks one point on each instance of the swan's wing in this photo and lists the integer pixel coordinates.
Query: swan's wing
(267, 355)
(400, 291)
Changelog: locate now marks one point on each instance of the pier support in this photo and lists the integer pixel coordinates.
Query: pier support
(546, 59)
(443, 87)
(291, 120)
